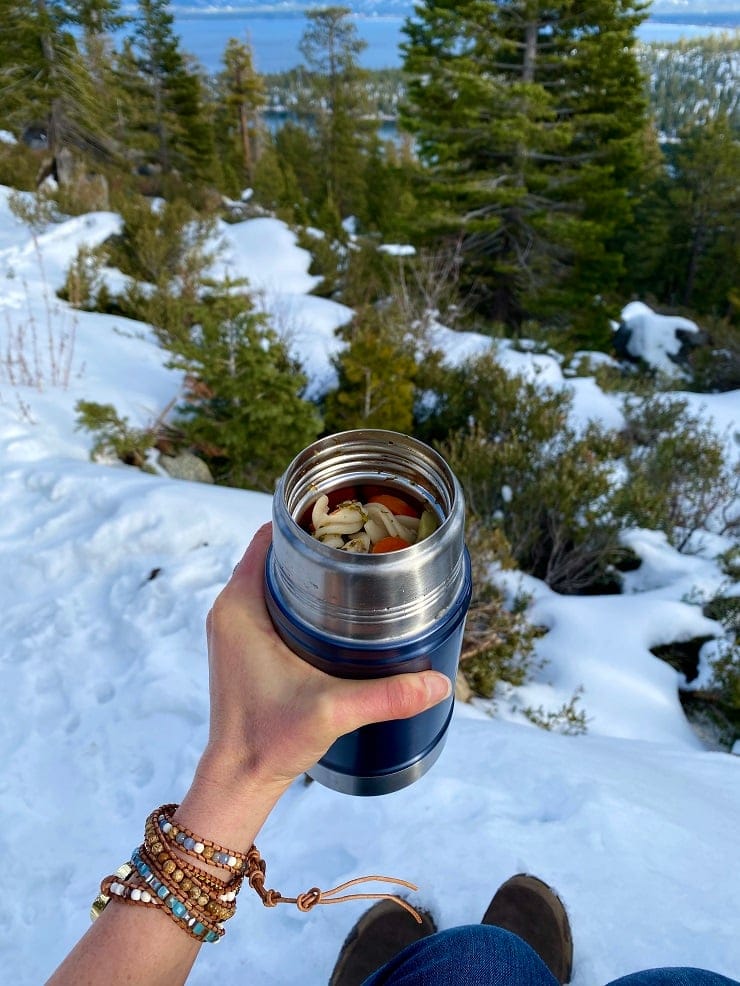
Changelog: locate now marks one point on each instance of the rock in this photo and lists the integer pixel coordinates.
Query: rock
(463, 691)
(664, 342)
(187, 466)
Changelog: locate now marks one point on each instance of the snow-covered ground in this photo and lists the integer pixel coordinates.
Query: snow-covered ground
(107, 574)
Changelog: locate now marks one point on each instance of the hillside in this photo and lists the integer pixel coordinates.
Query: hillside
(109, 575)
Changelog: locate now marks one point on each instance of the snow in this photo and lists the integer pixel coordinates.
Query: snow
(653, 336)
(108, 576)
(398, 249)
(264, 253)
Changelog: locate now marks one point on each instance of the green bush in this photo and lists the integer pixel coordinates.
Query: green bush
(83, 283)
(243, 411)
(376, 370)
(679, 479)
(526, 471)
(714, 709)
(159, 244)
(113, 434)
(19, 166)
(568, 720)
(716, 364)
(498, 643)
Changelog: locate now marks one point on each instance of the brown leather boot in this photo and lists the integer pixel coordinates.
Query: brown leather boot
(534, 912)
(380, 934)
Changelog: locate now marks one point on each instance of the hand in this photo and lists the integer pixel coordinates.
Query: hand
(274, 715)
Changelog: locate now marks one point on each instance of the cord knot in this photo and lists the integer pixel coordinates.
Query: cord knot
(312, 897)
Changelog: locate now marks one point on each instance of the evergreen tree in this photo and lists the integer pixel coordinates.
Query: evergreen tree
(244, 411)
(528, 118)
(276, 186)
(376, 373)
(97, 20)
(170, 124)
(43, 80)
(241, 97)
(336, 105)
(696, 202)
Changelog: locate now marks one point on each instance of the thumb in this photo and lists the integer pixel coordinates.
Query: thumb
(400, 696)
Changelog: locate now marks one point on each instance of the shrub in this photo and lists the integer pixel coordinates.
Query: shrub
(83, 282)
(498, 644)
(679, 481)
(113, 434)
(35, 209)
(714, 708)
(567, 720)
(716, 364)
(376, 373)
(160, 244)
(19, 165)
(526, 471)
(243, 410)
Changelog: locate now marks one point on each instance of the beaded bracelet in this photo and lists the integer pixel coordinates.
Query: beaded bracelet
(158, 875)
(192, 879)
(196, 846)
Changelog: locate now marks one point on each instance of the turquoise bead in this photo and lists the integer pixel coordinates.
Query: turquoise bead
(178, 908)
(211, 936)
(162, 892)
(198, 928)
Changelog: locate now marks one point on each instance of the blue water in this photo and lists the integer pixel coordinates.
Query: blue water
(274, 40)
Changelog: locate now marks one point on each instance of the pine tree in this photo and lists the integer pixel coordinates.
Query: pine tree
(244, 411)
(170, 122)
(528, 118)
(376, 374)
(242, 95)
(336, 105)
(43, 80)
(696, 202)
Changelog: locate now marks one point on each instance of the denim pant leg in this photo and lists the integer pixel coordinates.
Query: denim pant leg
(476, 955)
(674, 977)
(483, 955)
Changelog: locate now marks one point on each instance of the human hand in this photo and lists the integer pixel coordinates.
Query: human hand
(274, 715)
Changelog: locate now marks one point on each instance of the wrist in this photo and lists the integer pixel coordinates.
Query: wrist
(228, 800)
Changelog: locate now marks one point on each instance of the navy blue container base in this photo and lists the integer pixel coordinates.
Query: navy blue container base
(383, 757)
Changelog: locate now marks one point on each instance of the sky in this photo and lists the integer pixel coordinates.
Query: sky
(108, 574)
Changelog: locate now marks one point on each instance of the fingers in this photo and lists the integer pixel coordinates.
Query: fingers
(358, 703)
(245, 586)
(249, 571)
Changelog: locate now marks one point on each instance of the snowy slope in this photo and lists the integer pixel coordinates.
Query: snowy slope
(107, 575)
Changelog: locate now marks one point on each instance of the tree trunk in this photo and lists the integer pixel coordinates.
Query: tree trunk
(531, 31)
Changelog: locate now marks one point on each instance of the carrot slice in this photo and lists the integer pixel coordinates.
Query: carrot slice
(389, 544)
(395, 504)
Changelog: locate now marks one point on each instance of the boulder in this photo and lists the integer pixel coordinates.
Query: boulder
(187, 466)
(664, 342)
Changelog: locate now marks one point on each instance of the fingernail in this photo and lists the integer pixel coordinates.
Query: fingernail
(439, 686)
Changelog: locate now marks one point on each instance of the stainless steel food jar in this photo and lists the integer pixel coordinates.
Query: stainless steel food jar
(371, 615)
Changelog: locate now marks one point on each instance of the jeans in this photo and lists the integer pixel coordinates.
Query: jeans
(483, 955)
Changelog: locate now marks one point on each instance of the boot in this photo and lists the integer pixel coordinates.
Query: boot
(534, 912)
(380, 934)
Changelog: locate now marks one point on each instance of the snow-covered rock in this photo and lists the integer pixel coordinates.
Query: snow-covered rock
(661, 341)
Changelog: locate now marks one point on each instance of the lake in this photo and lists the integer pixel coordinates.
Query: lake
(275, 40)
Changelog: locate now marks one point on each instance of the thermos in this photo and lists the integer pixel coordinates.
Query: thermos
(357, 615)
